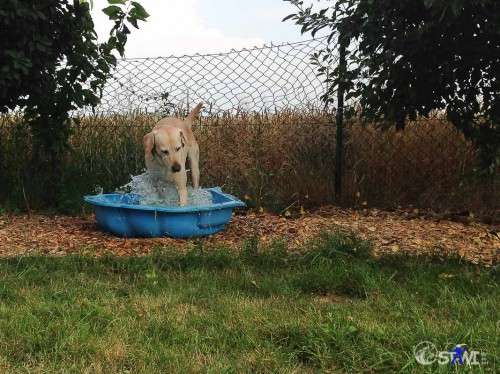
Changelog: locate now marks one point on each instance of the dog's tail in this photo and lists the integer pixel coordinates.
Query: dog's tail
(194, 113)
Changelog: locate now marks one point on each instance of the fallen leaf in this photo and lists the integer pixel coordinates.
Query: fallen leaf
(445, 276)
(478, 243)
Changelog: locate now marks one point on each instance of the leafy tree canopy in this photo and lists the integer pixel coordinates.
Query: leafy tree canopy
(51, 62)
(407, 58)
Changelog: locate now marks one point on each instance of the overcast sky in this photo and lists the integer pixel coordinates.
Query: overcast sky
(180, 27)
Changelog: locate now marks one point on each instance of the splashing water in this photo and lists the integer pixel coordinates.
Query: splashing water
(157, 192)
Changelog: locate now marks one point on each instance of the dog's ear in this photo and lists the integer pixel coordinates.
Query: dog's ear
(149, 144)
(184, 140)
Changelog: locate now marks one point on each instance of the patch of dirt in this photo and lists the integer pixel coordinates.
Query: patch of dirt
(391, 232)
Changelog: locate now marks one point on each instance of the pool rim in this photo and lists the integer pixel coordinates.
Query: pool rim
(232, 203)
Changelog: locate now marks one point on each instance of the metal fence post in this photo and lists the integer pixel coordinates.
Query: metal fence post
(340, 115)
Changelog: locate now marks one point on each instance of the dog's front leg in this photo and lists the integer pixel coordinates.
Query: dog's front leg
(183, 195)
(195, 174)
(153, 183)
(194, 157)
(180, 183)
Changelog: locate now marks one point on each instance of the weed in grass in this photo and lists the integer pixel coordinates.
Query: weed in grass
(7, 295)
(264, 257)
(338, 243)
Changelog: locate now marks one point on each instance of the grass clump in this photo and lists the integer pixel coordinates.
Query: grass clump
(327, 307)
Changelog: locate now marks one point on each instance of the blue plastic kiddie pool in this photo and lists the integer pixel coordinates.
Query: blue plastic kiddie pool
(122, 215)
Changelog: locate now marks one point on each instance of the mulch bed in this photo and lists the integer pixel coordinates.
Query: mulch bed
(408, 232)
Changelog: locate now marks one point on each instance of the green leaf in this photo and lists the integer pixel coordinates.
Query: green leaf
(112, 42)
(111, 10)
(116, 2)
(125, 30)
(133, 21)
(140, 10)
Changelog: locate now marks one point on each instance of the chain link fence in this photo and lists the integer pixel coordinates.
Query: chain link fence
(264, 135)
(251, 80)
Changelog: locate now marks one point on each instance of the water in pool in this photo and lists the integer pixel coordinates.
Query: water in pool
(157, 192)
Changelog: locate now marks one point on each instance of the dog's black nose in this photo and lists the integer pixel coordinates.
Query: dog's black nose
(176, 168)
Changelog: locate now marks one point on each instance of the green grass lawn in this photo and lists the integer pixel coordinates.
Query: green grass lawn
(328, 307)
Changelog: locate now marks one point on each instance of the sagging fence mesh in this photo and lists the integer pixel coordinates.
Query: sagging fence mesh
(250, 80)
(264, 135)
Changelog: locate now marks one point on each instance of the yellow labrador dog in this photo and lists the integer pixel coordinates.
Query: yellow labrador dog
(168, 146)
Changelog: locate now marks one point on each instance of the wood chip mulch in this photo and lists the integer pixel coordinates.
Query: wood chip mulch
(391, 232)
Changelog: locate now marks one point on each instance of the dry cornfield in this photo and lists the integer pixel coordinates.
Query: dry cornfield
(282, 161)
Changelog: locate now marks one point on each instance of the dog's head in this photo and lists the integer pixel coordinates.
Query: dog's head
(167, 146)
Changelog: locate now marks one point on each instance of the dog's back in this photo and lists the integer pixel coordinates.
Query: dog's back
(183, 125)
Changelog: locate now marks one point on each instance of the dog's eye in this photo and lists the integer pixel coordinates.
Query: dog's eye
(178, 149)
(164, 152)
